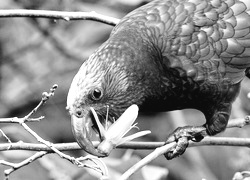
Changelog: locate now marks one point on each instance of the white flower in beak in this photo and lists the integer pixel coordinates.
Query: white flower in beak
(114, 135)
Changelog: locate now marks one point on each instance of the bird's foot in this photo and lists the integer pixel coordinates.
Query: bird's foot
(181, 136)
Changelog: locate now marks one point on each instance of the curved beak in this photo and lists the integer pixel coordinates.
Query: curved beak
(81, 128)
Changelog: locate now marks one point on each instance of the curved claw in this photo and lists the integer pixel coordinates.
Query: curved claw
(181, 136)
(178, 150)
(80, 128)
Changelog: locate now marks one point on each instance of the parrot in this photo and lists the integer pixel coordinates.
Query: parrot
(166, 55)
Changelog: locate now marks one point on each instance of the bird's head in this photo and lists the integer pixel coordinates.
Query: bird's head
(104, 84)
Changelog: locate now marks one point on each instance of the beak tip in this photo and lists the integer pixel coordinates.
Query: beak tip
(92, 150)
(105, 148)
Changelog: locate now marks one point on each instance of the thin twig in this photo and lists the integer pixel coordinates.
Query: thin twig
(156, 153)
(45, 97)
(18, 120)
(67, 16)
(5, 136)
(38, 147)
(239, 122)
(15, 166)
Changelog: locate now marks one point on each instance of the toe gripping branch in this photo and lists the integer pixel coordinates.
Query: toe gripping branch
(181, 136)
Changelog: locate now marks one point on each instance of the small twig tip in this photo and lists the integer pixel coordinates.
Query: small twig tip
(247, 119)
(55, 86)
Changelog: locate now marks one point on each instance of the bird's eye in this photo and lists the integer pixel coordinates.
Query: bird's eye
(97, 94)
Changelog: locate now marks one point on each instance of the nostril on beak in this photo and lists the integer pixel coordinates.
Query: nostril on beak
(79, 113)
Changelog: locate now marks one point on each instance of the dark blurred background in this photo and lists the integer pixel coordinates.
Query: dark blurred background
(37, 53)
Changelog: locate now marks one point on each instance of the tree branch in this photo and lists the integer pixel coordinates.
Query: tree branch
(67, 16)
(156, 153)
(137, 145)
(219, 141)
